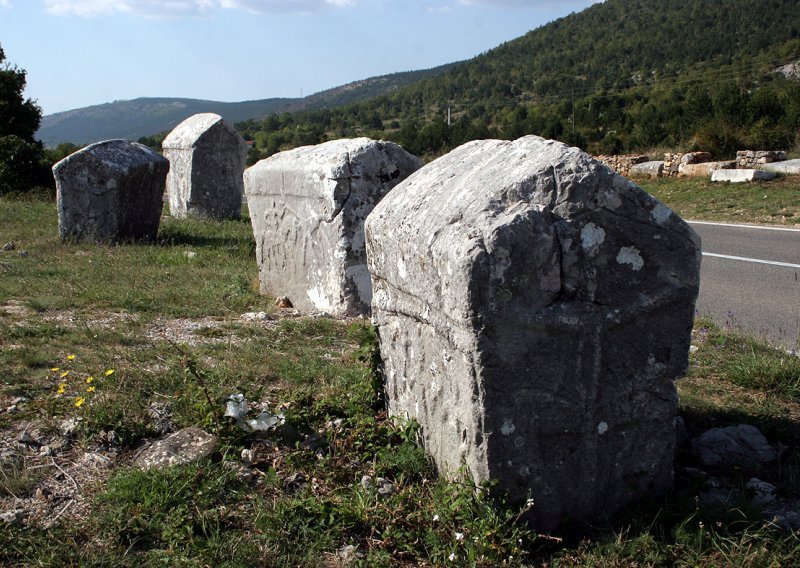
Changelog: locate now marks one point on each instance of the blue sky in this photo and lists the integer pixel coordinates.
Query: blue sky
(83, 52)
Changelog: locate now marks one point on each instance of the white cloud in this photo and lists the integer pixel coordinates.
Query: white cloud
(173, 8)
(153, 8)
(5, 3)
(264, 6)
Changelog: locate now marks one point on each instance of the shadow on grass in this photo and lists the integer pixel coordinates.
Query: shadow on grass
(775, 428)
(196, 233)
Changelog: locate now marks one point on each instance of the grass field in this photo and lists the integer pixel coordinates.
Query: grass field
(768, 202)
(159, 329)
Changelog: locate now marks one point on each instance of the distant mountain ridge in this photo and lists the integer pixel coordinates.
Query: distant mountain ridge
(146, 116)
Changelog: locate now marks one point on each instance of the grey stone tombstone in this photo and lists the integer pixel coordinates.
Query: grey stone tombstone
(207, 158)
(308, 206)
(534, 309)
(110, 191)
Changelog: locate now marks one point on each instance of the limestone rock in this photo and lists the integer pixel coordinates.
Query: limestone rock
(308, 207)
(654, 169)
(756, 158)
(742, 176)
(622, 163)
(704, 169)
(695, 158)
(789, 167)
(184, 446)
(790, 70)
(742, 445)
(207, 159)
(533, 309)
(110, 191)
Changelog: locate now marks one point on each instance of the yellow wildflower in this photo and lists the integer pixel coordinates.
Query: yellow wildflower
(109, 372)
(70, 357)
(61, 388)
(64, 374)
(89, 380)
(90, 389)
(79, 400)
(55, 369)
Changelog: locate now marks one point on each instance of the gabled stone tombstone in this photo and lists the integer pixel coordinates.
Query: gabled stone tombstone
(207, 158)
(533, 309)
(308, 206)
(110, 191)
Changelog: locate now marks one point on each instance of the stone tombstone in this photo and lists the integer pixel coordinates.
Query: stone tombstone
(110, 191)
(533, 309)
(207, 158)
(308, 206)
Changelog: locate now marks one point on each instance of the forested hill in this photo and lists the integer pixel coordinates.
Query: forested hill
(628, 41)
(620, 75)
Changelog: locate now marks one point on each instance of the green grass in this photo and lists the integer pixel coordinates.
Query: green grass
(163, 279)
(772, 202)
(300, 502)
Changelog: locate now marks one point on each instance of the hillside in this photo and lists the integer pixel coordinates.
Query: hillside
(133, 119)
(632, 74)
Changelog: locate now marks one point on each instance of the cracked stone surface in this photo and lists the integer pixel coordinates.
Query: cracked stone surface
(308, 206)
(110, 191)
(207, 159)
(534, 309)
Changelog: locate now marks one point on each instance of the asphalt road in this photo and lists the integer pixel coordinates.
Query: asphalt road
(750, 279)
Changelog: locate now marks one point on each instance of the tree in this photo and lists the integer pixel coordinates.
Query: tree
(21, 156)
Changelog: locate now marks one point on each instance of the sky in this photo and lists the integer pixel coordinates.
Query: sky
(79, 53)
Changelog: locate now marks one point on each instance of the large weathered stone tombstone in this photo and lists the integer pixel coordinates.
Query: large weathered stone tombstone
(110, 191)
(533, 309)
(207, 158)
(308, 207)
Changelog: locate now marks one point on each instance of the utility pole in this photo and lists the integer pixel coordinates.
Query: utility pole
(448, 116)
(573, 112)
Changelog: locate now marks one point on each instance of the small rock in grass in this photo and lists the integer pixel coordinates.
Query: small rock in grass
(256, 316)
(184, 446)
(742, 445)
(248, 456)
(26, 438)
(761, 492)
(366, 482)
(294, 482)
(95, 460)
(69, 427)
(347, 555)
(13, 518)
(43, 494)
(385, 488)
